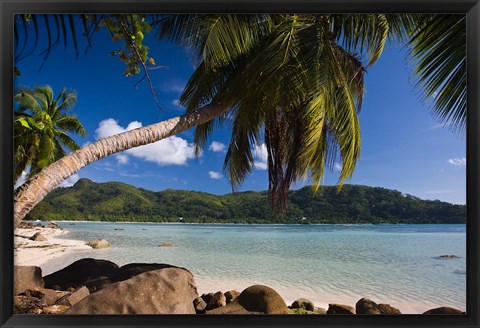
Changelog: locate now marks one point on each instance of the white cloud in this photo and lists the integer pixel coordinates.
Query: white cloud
(122, 159)
(216, 147)
(169, 151)
(260, 156)
(70, 181)
(215, 175)
(458, 161)
(338, 167)
(21, 180)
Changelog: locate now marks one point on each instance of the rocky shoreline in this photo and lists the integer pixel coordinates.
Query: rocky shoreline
(92, 286)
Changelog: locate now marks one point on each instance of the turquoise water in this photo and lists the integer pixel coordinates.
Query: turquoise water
(395, 264)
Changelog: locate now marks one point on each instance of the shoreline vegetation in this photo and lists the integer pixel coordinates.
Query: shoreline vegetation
(354, 204)
(39, 252)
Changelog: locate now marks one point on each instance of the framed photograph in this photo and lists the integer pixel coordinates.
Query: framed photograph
(252, 163)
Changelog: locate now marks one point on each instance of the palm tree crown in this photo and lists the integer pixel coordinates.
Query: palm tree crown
(40, 128)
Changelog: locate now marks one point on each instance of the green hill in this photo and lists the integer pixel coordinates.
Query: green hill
(116, 201)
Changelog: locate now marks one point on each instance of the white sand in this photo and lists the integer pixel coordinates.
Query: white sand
(50, 255)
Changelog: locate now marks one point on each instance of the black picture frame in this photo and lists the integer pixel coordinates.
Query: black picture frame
(9, 7)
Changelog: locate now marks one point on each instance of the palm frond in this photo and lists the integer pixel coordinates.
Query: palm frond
(438, 50)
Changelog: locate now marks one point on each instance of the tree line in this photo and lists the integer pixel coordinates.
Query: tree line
(115, 201)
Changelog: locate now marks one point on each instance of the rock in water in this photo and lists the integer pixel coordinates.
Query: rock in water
(164, 291)
(449, 257)
(231, 295)
(26, 277)
(256, 299)
(98, 243)
(166, 244)
(340, 309)
(444, 310)
(78, 273)
(303, 303)
(38, 237)
(217, 300)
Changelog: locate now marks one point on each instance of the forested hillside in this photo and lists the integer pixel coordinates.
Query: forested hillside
(115, 201)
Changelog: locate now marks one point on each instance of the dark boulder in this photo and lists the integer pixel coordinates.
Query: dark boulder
(207, 297)
(444, 310)
(303, 303)
(164, 291)
(123, 273)
(78, 273)
(340, 309)
(256, 299)
(26, 277)
(366, 306)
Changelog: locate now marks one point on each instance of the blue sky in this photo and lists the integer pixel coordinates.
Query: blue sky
(403, 146)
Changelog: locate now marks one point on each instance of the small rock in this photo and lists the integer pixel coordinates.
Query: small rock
(207, 297)
(199, 305)
(166, 244)
(366, 306)
(27, 305)
(444, 310)
(340, 309)
(74, 297)
(231, 295)
(38, 237)
(256, 299)
(303, 303)
(53, 225)
(48, 296)
(217, 300)
(300, 311)
(98, 244)
(320, 311)
(55, 309)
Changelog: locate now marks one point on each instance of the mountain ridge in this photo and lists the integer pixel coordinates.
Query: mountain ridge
(118, 201)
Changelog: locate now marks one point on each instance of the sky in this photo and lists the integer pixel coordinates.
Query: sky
(404, 147)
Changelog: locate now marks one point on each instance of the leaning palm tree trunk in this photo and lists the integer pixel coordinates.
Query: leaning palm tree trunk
(34, 190)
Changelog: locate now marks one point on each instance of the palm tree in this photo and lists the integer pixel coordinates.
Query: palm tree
(41, 125)
(317, 83)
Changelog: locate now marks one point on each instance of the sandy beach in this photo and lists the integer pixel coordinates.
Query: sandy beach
(50, 255)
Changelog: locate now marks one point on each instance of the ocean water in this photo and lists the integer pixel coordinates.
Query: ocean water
(394, 264)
